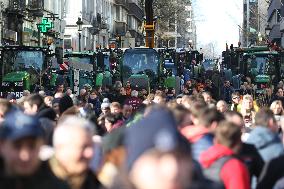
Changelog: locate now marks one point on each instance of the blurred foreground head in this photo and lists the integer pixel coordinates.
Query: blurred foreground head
(73, 144)
(158, 157)
(21, 137)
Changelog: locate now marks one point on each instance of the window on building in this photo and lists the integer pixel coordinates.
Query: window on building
(118, 13)
(67, 44)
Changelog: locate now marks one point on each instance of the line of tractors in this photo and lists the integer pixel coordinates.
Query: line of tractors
(34, 68)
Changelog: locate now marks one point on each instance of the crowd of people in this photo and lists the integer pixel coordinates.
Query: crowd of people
(122, 137)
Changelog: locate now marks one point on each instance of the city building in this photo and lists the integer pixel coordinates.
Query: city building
(274, 18)
(20, 20)
(254, 22)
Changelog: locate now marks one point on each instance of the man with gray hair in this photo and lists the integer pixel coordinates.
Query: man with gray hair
(134, 100)
(73, 147)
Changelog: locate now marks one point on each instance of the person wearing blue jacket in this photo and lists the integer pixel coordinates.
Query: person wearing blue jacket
(265, 135)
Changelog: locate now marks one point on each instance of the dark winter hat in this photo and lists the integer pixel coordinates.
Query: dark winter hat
(11, 96)
(65, 103)
(113, 140)
(18, 125)
(55, 101)
(156, 131)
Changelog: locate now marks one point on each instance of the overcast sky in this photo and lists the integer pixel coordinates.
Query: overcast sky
(217, 22)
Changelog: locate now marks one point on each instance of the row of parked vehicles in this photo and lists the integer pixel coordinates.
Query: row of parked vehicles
(30, 68)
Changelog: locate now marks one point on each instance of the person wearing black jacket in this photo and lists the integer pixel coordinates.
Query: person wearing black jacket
(246, 152)
(272, 172)
(20, 166)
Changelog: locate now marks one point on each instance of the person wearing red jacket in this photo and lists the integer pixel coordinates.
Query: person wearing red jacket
(219, 161)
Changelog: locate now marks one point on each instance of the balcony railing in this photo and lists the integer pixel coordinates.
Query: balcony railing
(123, 3)
(135, 10)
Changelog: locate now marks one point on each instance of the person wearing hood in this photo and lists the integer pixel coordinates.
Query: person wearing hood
(265, 135)
(219, 162)
(164, 159)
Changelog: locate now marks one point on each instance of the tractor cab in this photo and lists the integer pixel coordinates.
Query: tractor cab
(141, 67)
(23, 68)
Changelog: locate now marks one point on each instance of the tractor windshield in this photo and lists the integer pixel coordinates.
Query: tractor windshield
(261, 64)
(80, 60)
(23, 61)
(138, 61)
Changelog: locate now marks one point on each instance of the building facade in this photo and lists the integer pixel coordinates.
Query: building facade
(20, 20)
(274, 20)
(105, 22)
(254, 22)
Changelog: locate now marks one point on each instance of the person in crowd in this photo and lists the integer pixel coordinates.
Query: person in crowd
(248, 110)
(179, 98)
(277, 108)
(26, 92)
(68, 91)
(265, 135)
(5, 107)
(222, 106)
(95, 101)
(201, 134)
(12, 98)
(48, 101)
(20, 166)
(127, 112)
(246, 152)
(279, 95)
(208, 98)
(122, 96)
(99, 92)
(219, 161)
(34, 105)
(149, 99)
(113, 156)
(112, 122)
(115, 108)
(156, 163)
(64, 104)
(246, 89)
(105, 106)
(210, 87)
(83, 94)
(226, 91)
(171, 94)
(60, 88)
(134, 100)
(58, 95)
(72, 157)
(272, 175)
(160, 98)
(128, 88)
(235, 101)
(55, 106)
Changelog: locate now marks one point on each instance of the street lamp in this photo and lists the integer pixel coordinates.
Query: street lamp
(79, 24)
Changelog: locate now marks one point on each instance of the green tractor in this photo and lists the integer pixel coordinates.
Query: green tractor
(141, 67)
(260, 63)
(146, 68)
(24, 68)
(86, 69)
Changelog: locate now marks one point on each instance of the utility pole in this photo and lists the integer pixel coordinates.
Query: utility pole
(248, 23)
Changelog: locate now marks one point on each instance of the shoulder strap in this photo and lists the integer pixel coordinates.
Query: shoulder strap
(213, 172)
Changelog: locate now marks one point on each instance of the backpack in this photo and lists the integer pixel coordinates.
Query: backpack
(213, 172)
